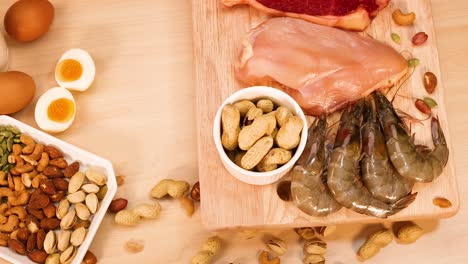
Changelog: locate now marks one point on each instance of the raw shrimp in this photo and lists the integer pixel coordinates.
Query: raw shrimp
(343, 171)
(410, 161)
(308, 186)
(378, 174)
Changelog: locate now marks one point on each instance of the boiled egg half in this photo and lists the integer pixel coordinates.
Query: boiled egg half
(75, 70)
(55, 110)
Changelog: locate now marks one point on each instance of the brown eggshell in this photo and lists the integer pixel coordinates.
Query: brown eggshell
(28, 20)
(16, 91)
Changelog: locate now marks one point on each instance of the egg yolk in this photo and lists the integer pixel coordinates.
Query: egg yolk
(61, 110)
(69, 70)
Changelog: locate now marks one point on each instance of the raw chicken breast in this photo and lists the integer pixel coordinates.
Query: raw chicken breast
(323, 68)
(347, 14)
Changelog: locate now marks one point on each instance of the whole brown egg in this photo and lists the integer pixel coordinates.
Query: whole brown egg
(28, 20)
(16, 91)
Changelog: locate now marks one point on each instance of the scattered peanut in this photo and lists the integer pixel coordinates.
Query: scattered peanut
(134, 246)
(374, 243)
(210, 248)
(120, 180)
(430, 82)
(131, 217)
(325, 231)
(230, 120)
(175, 189)
(403, 19)
(127, 218)
(409, 232)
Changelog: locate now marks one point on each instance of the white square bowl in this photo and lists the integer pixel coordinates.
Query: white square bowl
(86, 159)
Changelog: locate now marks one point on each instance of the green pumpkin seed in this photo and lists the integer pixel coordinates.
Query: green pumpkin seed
(9, 144)
(430, 102)
(1, 138)
(396, 38)
(6, 134)
(17, 140)
(412, 63)
(13, 129)
(3, 160)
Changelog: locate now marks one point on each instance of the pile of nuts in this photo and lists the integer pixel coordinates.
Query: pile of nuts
(50, 203)
(259, 137)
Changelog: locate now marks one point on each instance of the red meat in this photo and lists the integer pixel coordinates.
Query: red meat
(346, 14)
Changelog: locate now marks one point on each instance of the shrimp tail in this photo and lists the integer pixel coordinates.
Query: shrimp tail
(402, 203)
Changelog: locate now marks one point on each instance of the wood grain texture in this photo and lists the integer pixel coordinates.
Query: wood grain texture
(141, 110)
(217, 36)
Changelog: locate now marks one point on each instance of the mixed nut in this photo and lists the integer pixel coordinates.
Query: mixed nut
(259, 136)
(49, 203)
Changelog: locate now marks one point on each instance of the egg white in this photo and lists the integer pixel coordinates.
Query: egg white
(42, 106)
(89, 70)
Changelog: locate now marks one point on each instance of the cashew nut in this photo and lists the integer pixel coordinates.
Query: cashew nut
(18, 211)
(3, 181)
(19, 198)
(403, 19)
(10, 225)
(29, 142)
(35, 155)
(4, 239)
(19, 186)
(43, 162)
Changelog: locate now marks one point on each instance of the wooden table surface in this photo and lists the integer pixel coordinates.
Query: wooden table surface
(139, 114)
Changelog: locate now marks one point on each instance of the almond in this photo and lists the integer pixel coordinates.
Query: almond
(60, 184)
(50, 223)
(49, 210)
(17, 246)
(53, 152)
(47, 186)
(37, 213)
(32, 224)
(59, 196)
(38, 200)
(38, 256)
(117, 205)
(40, 239)
(31, 243)
(60, 163)
(52, 172)
(71, 169)
(420, 38)
(23, 234)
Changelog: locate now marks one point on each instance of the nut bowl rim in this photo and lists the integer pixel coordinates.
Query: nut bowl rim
(279, 98)
(86, 159)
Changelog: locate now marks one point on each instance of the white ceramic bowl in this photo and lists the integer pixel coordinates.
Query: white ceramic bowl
(86, 160)
(280, 99)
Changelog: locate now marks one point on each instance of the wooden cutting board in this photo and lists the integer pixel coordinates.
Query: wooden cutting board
(228, 203)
